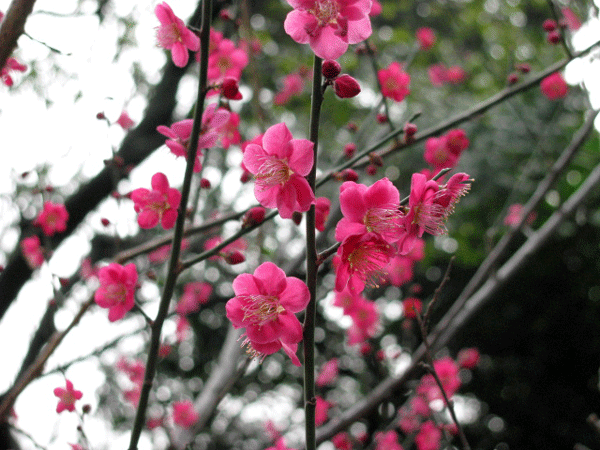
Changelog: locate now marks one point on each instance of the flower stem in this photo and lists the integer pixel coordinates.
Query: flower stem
(311, 267)
(174, 262)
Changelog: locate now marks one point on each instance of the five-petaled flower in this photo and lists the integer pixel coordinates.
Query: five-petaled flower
(67, 397)
(394, 81)
(172, 34)
(328, 26)
(157, 205)
(279, 165)
(117, 288)
(184, 414)
(53, 218)
(265, 303)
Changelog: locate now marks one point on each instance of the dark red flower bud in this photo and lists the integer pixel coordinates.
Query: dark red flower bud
(382, 118)
(346, 87)
(349, 150)
(513, 78)
(105, 222)
(87, 408)
(204, 184)
(235, 257)
(352, 126)
(100, 116)
(151, 275)
(553, 37)
(297, 217)
(246, 176)
(349, 175)
(230, 89)
(549, 25)
(410, 129)
(371, 169)
(331, 69)
(254, 216)
(224, 14)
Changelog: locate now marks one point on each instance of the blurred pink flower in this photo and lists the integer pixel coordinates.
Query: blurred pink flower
(554, 86)
(429, 437)
(226, 61)
(321, 409)
(172, 34)
(53, 218)
(394, 82)
(279, 166)
(184, 414)
(328, 374)
(468, 358)
(32, 251)
(158, 205)
(293, 84)
(426, 38)
(571, 19)
(387, 440)
(125, 121)
(117, 288)
(67, 397)
(195, 293)
(11, 65)
(514, 215)
(322, 206)
(328, 26)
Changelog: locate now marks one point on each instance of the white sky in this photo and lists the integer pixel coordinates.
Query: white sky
(68, 136)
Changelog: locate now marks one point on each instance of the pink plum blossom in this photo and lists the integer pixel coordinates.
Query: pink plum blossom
(513, 217)
(387, 440)
(157, 205)
(280, 445)
(447, 371)
(328, 26)
(11, 65)
(444, 151)
(411, 307)
(345, 86)
(328, 374)
(429, 437)
(322, 206)
(213, 121)
(53, 218)
(321, 409)
(172, 34)
(468, 358)
(279, 166)
(369, 209)
(32, 251)
(230, 131)
(195, 293)
(376, 9)
(226, 61)
(264, 304)
(394, 82)
(365, 321)
(125, 121)
(570, 18)
(426, 38)
(184, 414)
(67, 397)
(117, 288)
(554, 86)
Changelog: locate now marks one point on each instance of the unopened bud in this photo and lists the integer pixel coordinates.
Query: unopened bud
(204, 183)
(297, 217)
(100, 116)
(235, 257)
(523, 68)
(349, 150)
(371, 169)
(352, 126)
(246, 176)
(151, 275)
(346, 87)
(410, 129)
(553, 37)
(231, 89)
(349, 175)
(549, 25)
(382, 118)
(105, 222)
(331, 69)
(254, 216)
(513, 78)
(376, 159)
(87, 408)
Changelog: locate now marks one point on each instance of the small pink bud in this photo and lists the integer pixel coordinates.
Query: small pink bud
(164, 350)
(549, 25)
(204, 183)
(100, 116)
(49, 188)
(297, 217)
(380, 355)
(235, 257)
(523, 68)
(382, 118)
(513, 78)
(87, 408)
(410, 129)
(349, 150)
(553, 37)
(331, 69)
(254, 216)
(115, 194)
(24, 174)
(224, 14)
(352, 126)
(365, 348)
(246, 176)
(105, 221)
(231, 89)
(371, 169)
(346, 87)
(349, 175)
(151, 275)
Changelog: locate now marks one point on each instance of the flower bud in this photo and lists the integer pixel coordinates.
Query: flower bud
(371, 169)
(349, 150)
(204, 184)
(375, 159)
(382, 118)
(254, 216)
(513, 78)
(230, 89)
(297, 217)
(346, 87)
(349, 175)
(523, 68)
(553, 37)
(105, 222)
(331, 69)
(549, 25)
(410, 129)
(235, 257)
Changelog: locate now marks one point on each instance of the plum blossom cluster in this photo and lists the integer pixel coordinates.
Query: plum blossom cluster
(375, 227)
(265, 304)
(225, 60)
(444, 151)
(158, 205)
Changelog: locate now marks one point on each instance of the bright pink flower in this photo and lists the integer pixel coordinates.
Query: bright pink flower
(394, 82)
(514, 215)
(184, 414)
(231, 134)
(87, 269)
(365, 321)
(347, 300)
(125, 121)
(53, 218)
(455, 75)
(456, 141)
(293, 84)
(412, 306)
(429, 437)
(387, 440)
(376, 9)
(237, 246)
(279, 166)
(158, 205)
(194, 294)
(231, 89)
(373, 209)
(265, 303)
(468, 358)
(117, 288)
(213, 121)
(362, 260)
(172, 34)
(226, 61)
(342, 441)
(133, 369)
(321, 409)
(571, 20)
(67, 397)
(328, 374)
(32, 251)
(328, 26)
(426, 38)
(445, 151)
(554, 86)
(182, 329)
(322, 206)
(447, 372)
(409, 422)
(11, 65)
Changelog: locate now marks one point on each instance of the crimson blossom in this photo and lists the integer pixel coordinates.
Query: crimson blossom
(264, 304)
(67, 397)
(328, 26)
(117, 288)
(184, 414)
(53, 218)
(172, 34)
(279, 165)
(554, 86)
(394, 82)
(158, 205)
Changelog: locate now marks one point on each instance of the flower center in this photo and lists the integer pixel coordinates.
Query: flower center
(382, 220)
(326, 12)
(168, 35)
(260, 309)
(368, 260)
(273, 172)
(431, 217)
(117, 293)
